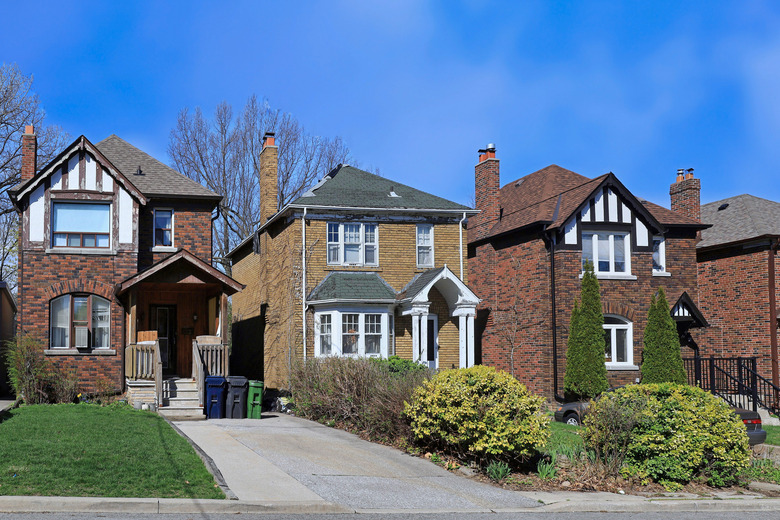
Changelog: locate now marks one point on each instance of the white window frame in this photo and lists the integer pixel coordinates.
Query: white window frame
(340, 244)
(661, 255)
(611, 237)
(165, 249)
(66, 247)
(612, 329)
(71, 332)
(429, 245)
(337, 318)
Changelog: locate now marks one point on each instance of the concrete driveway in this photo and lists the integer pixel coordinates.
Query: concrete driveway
(285, 459)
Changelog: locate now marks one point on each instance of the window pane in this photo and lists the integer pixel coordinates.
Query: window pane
(371, 255)
(60, 322)
(370, 232)
(163, 219)
(81, 217)
(608, 344)
(60, 240)
(80, 309)
(162, 237)
(325, 334)
(102, 240)
(100, 322)
(333, 232)
(620, 345)
(352, 233)
(350, 332)
(333, 253)
(587, 249)
(620, 253)
(658, 260)
(88, 240)
(424, 234)
(352, 253)
(424, 256)
(74, 240)
(603, 252)
(373, 343)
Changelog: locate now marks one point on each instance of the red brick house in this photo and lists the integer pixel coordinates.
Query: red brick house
(737, 280)
(526, 252)
(115, 249)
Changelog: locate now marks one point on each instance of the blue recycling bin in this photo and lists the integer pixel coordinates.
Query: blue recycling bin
(215, 397)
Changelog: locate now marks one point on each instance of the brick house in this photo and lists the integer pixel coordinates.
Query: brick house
(114, 249)
(7, 331)
(526, 253)
(737, 280)
(359, 265)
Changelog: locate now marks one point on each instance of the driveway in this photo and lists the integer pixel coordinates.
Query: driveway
(285, 459)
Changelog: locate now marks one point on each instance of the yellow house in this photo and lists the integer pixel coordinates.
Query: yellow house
(359, 266)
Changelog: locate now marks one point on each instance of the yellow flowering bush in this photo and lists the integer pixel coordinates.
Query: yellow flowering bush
(479, 413)
(669, 433)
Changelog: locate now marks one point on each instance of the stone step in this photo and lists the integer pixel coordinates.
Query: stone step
(182, 414)
(182, 402)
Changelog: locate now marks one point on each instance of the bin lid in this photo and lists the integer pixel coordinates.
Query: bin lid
(255, 384)
(215, 381)
(237, 380)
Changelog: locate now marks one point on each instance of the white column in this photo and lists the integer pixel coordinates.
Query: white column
(462, 341)
(416, 338)
(470, 341)
(424, 339)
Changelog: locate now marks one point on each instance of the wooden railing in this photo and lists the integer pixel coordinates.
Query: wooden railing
(140, 360)
(209, 358)
(198, 371)
(158, 375)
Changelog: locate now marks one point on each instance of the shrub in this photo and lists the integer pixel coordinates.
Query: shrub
(399, 365)
(33, 378)
(479, 413)
(662, 360)
(586, 373)
(669, 433)
(358, 394)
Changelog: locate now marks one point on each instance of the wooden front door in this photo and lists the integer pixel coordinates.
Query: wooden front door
(163, 319)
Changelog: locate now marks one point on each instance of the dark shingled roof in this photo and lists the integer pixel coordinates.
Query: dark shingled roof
(347, 186)
(533, 199)
(418, 283)
(744, 218)
(352, 286)
(157, 179)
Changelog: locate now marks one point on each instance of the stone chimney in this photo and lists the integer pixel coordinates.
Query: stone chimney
(486, 186)
(686, 194)
(29, 153)
(269, 178)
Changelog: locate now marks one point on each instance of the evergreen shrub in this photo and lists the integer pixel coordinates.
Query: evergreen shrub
(661, 358)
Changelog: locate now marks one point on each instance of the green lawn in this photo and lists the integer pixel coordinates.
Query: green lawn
(88, 450)
(563, 436)
(772, 434)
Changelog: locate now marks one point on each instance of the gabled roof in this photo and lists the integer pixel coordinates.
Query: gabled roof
(158, 180)
(349, 187)
(189, 263)
(365, 287)
(742, 218)
(684, 310)
(551, 196)
(419, 282)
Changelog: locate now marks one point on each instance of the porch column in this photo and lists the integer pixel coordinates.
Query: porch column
(424, 338)
(462, 342)
(470, 341)
(223, 325)
(416, 337)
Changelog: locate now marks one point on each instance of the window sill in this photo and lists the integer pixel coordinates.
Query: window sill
(80, 352)
(80, 251)
(612, 276)
(352, 267)
(621, 366)
(661, 273)
(164, 249)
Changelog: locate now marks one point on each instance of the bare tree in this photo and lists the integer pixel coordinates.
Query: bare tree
(19, 106)
(224, 155)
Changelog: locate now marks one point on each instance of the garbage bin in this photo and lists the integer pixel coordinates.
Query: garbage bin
(254, 404)
(236, 397)
(215, 397)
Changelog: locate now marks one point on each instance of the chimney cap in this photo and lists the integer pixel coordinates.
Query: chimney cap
(269, 134)
(29, 129)
(491, 147)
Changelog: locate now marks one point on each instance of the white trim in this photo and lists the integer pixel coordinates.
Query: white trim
(418, 245)
(628, 326)
(341, 243)
(336, 316)
(612, 236)
(661, 255)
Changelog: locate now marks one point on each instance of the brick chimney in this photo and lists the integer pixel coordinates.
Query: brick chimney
(686, 194)
(29, 153)
(486, 186)
(269, 178)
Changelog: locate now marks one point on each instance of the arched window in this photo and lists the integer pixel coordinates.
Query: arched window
(80, 321)
(619, 338)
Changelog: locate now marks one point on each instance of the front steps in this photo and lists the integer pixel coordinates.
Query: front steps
(180, 400)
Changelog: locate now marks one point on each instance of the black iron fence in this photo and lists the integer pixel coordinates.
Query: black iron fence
(735, 380)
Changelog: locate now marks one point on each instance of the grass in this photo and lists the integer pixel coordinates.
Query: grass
(772, 435)
(88, 450)
(563, 437)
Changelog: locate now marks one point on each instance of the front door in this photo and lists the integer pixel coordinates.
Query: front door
(163, 319)
(432, 358)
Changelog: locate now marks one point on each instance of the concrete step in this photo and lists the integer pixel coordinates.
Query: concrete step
(182, 402)
(182, 414)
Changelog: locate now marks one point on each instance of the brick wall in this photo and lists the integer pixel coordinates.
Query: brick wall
(191, 230)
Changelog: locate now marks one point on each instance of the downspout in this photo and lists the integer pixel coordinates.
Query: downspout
(773, 313)
(303, 288)
(460, 229)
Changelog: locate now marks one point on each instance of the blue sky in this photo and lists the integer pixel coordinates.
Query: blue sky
(415, 88)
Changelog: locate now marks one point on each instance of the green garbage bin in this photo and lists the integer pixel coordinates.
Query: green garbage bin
(254, 402)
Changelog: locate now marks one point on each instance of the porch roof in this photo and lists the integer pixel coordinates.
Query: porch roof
(178, 265)
(368, 287)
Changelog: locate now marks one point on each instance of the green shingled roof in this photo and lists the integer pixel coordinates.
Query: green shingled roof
(346, 186)
(352, 286)
(419, 282)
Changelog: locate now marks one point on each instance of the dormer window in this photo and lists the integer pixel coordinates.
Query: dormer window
(352, 244)
(81, 225)
(608, 251)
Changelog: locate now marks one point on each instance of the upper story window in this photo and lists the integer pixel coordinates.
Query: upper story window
(659, 256)
(80, 321)
(163, 227)
(81, 224)
(618, 333)
(425, 245)
(352, 244)
(609, 252)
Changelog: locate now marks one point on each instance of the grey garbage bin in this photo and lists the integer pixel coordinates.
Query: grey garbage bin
(235, 403)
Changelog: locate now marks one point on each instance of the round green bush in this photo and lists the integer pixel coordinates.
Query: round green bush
(669, 433)
(480, 413)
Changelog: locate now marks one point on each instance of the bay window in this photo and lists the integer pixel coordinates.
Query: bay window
(356, 333)
(352, 244)
(609, 252)
(81, 225)
(80, 321)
